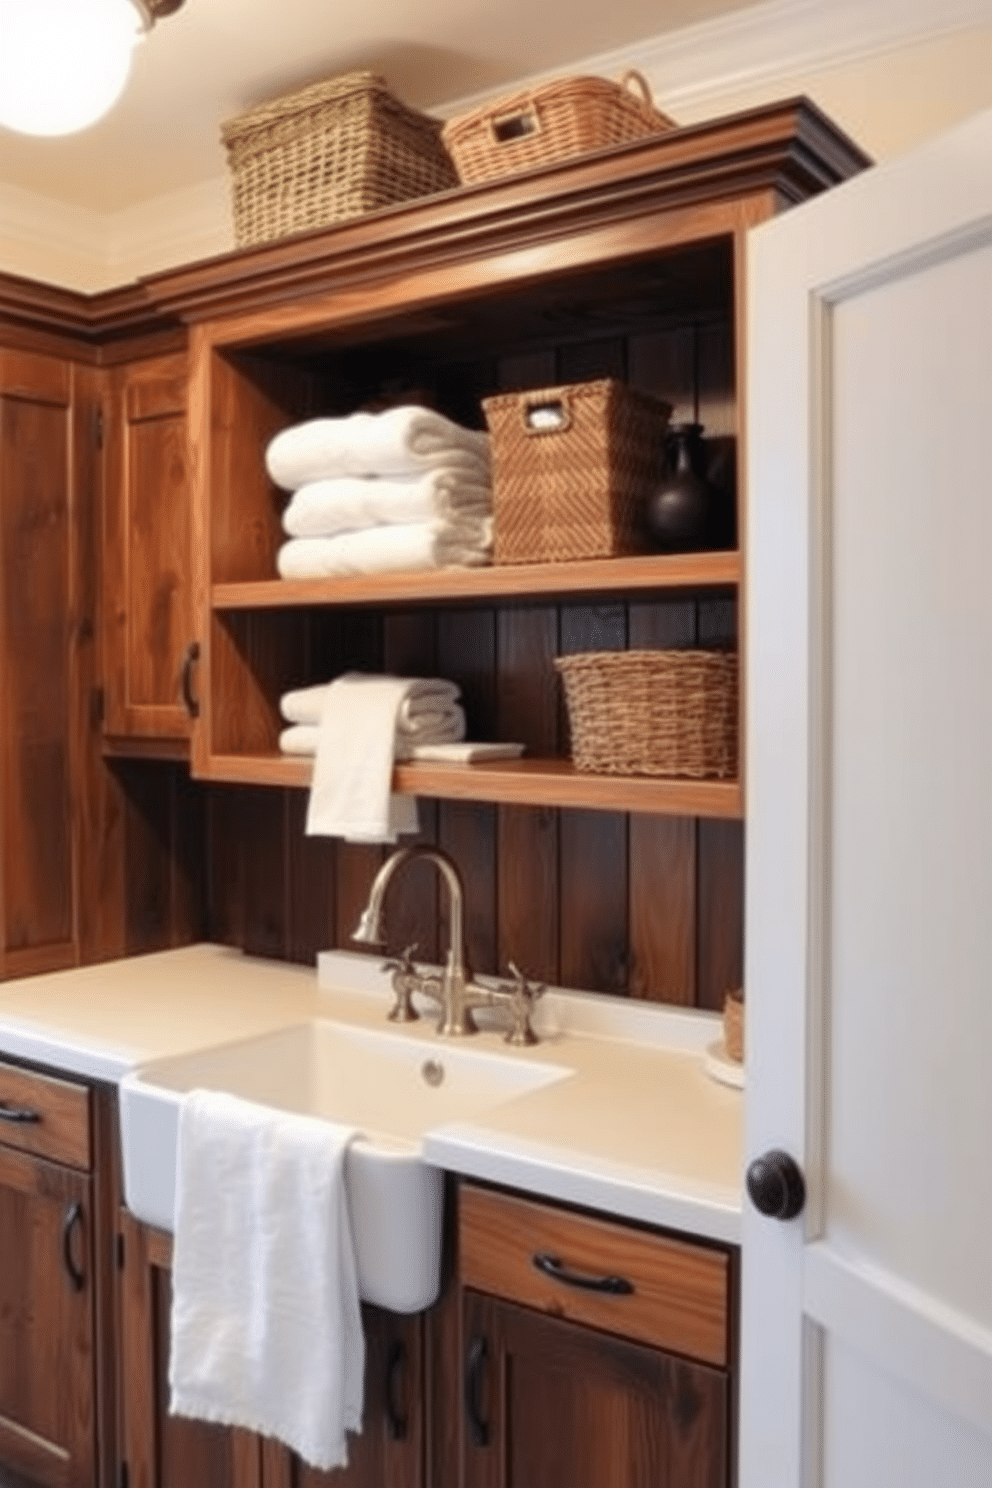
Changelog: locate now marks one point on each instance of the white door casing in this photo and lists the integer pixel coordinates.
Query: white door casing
(866, 1357)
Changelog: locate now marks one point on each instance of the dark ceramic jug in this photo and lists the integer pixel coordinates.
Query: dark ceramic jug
(680, 511)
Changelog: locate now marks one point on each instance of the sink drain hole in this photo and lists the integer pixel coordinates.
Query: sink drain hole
(432, 1071)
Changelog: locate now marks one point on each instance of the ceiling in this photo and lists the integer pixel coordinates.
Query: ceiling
(215, 58)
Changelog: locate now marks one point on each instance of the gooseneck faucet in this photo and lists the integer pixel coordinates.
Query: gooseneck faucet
(454, 992)
(457, 996)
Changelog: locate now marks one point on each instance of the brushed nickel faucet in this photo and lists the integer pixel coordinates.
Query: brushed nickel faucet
(454, 991)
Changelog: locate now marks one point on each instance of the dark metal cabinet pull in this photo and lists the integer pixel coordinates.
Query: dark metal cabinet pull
(17, 1113)
(617, 1286)
(190, 659)
(474, 1366)
(73, 1217)
(394, 1368)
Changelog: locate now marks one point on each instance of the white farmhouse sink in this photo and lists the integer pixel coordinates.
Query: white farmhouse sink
(394, 1087)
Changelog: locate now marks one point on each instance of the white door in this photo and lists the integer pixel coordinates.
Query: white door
(867, 1320)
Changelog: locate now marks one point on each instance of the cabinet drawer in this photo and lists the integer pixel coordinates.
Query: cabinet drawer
(671, 1293)
(46, 1116)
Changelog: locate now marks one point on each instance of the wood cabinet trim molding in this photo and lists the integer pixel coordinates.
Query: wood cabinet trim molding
(788, 148)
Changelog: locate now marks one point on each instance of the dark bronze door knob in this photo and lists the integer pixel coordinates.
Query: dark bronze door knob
(776, 1186)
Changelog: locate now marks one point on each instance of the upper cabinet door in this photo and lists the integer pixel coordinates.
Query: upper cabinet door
(867, 1319)
(40, 605)
(148, 606)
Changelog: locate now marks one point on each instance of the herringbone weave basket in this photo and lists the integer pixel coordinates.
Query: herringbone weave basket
(572, 470)
(332, 151)
(653, 712)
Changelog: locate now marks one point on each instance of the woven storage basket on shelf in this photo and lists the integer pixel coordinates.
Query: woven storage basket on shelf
(569, 116)
(653, 712)
(572, 470)
(329, 152)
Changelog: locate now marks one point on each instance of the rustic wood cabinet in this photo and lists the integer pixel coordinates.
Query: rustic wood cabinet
(56, 1417)
(594, 1352)
(558, 1386)
(165, 1451)
(149, 633)
(551, 1403)
(42, 470)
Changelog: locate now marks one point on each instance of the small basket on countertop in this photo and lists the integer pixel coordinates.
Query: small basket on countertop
(572, 469)
(550, 122)
(733, 1025)
(330, 152)
(653, 712)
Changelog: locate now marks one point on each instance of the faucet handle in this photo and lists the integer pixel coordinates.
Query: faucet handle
(523, 995)
(406, 981)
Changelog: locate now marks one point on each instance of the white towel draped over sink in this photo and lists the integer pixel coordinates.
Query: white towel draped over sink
(266, 1321)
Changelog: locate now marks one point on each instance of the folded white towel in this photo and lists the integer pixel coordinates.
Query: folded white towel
(266, 1322)
(424, 698)
(350, 795)
(401, 441)
(349, 503)
(301, 739)
(466, 543)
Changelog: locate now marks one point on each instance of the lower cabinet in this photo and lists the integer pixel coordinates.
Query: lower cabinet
(568, 1351)
(550, 1404)
(594, 1353)
(165, 1451)
(47, 1310)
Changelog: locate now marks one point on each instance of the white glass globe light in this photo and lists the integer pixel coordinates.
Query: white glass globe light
(63, 63)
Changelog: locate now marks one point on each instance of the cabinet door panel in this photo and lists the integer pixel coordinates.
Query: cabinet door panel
(36, 868)
(46, 1323)
(389, 1452)
(549, 1403)
(148, 553)
(164, 1451)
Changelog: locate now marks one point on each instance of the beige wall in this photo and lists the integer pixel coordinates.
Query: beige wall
(890, 102)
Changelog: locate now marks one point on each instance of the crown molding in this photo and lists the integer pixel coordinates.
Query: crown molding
(692, 73)
(766, 45)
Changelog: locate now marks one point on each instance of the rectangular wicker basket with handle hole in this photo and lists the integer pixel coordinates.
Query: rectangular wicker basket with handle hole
(572, 469)
(550, 122)
(329, 152)
(653, 712)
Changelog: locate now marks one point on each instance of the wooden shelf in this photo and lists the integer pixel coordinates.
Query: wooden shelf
(521, 782)
(676, 571)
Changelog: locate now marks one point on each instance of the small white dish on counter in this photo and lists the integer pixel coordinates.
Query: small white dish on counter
(719, 1066)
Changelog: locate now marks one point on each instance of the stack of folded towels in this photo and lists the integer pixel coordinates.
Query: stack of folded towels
(374, 492)
(356, 727)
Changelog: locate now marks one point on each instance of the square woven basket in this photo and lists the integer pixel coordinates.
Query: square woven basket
(554, 121)
(572, 470)
(332, 151)
(653, 712)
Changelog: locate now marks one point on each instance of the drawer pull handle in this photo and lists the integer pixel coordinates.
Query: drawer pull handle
(616, 1286)
(475, 1364)
(73, 1217)
(394, 1368)
(17, 1113)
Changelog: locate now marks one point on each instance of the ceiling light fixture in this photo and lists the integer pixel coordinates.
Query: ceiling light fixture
(64, 63)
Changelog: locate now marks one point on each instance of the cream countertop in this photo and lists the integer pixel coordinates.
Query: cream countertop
(639, 1129)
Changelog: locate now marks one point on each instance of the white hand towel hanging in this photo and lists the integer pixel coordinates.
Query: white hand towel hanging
(351, 795)
(266, 1321)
